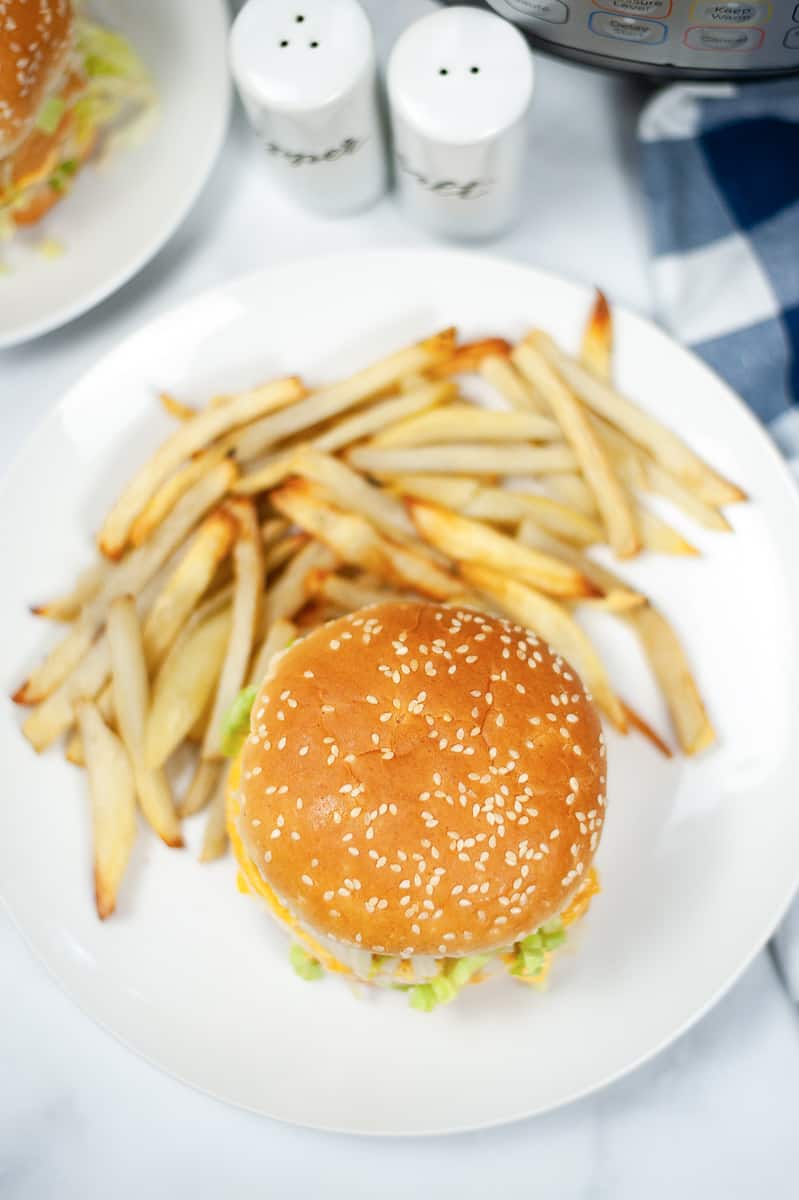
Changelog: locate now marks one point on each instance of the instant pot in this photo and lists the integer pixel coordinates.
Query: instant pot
(684, 39)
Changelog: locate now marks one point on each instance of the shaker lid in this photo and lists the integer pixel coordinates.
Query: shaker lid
(460, 75)
(296, 55)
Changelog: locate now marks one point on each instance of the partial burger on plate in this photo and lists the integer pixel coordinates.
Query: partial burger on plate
(64, 82)
(419, 799)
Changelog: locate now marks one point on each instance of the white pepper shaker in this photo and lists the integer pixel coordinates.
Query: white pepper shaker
(460, 82)
(305, 70)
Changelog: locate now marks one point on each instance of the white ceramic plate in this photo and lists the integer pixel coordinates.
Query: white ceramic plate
(120, 212)
(698, 859)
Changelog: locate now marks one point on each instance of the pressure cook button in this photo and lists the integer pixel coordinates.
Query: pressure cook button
(637, 8)
(791, 39)
(731, 13)
(628, 29)
(743, 41)
(555, 12)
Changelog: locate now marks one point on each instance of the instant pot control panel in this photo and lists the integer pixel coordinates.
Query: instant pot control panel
(693, 36)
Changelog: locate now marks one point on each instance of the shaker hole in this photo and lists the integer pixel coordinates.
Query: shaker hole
(283, 44)
(313, 45)
(299, 18)
(474, 70)
(443, 71)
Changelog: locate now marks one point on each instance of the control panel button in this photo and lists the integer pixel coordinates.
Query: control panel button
(628, 29)
(735, 12)
(553, 11)
(791, 39)
(742, 41)
(637, 8)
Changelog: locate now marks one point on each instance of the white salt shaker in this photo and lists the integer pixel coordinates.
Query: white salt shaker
(305, 70)
(460, 82)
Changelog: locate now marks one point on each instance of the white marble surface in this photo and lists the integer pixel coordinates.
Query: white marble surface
(80, 1116)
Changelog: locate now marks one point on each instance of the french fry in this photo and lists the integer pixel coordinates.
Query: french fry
(166, 497)
(281, 551)
(450, 491)
(340, 397)
(112, 794)
(68, 606)
(673, 673)
(611, 498)
(464, 459)
(352, 539)
(266, 474)
(467, 358)
(618, 596)
(248, 585)
(471, 541)
(349, 594)
(572, 490)
(556, 625)
(176, 408)
(45, 723)
(215, 836)
(658, 479)
(184, 687)
(128, 577)
(187, 584)
(636, 721)
(280, 635)
(131, 701)
(596, 351)
(204, 781)
(513, 387)
(350, 490)
(467, 423)
(74, 752)
(665, 446)
(286, 596)
(272, 529)
(503, 506)
(190, 437)
(384, 413)
(658, 535)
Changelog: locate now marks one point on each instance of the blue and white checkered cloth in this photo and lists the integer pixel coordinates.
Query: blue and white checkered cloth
(720, 169)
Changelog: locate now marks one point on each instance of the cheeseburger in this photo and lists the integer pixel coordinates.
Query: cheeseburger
(63, 82)
(419, 799)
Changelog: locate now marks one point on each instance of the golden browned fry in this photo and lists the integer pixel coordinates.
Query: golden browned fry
(188, 439)
(503, 506)
(287, 594)
(618, 596)
(467, 423)
(450, 491)
(611, 498)
(513, 387)
(131, 703)
(128, 577)
(464, 459)
(203, 781)
(663, 444)
(658, 535)
(68, 606)
(465, 540)
(188, 583)
(571, 489)
(281, 634)
(349, 490)
(382, 414)
(248, 561)
(166, 497)
(48, 720)
(350, 594)
(636, 721)
(673, 673)
(282, 550)
(342, 396)
(74, 752)
(353, 540)
(556, 625)
(176, 408)
(185, 685)
(467, 358)
(596, 351)
(215, 836)
(112, 794)
(658, 479)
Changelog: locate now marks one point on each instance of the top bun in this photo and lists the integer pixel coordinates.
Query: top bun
(422, 780)
(35, 45)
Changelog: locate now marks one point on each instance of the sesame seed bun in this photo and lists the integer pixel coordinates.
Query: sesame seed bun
(422, 780)
(35, 46)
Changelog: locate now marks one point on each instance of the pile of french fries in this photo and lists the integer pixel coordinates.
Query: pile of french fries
(270, 511)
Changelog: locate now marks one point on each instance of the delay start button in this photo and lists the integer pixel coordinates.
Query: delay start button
(791, 39)
(628, 29)
(742, 41)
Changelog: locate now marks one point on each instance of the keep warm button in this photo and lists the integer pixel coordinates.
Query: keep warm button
(628, 29)
(742, 41)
